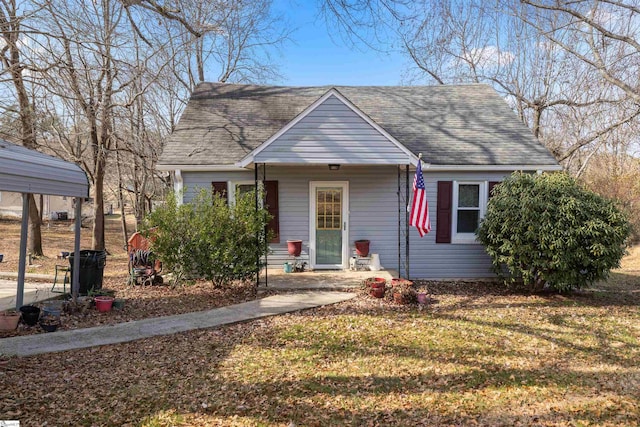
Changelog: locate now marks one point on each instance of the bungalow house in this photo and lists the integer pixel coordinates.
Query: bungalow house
(338, 162)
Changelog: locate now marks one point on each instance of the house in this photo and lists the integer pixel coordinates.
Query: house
(337, 164)
(53, 207)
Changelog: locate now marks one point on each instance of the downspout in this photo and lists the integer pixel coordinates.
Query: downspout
(23, 250)
(178, 186)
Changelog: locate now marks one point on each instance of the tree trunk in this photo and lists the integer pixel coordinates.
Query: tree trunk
(34, 242)
(97, 238)
(123, 218)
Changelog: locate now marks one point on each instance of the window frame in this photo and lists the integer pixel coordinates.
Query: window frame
(467, 238)
(231, 190)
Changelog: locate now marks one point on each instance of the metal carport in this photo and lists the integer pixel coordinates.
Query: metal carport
(30, 172)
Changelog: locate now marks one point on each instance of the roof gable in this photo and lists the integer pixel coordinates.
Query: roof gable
(331, 130)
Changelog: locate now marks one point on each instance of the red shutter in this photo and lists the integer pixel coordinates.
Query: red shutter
(491, 185)
(443, 217)
(220, 187)
(271, 203)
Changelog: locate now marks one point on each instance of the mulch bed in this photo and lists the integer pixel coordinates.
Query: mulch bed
(143, 302)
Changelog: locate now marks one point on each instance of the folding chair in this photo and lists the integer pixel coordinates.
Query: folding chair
(61, 269)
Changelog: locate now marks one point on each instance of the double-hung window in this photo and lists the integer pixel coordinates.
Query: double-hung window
(469, 206)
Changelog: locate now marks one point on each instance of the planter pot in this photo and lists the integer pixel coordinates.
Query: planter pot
(422, 298)
(288, 268)
(362, 247)
(399, 298)
(8, 322)
(294, 247)
(30, 314)
(376, 282)
(52, 311)
(377, 292)
(104, 304)
(49, 326)
(118, 304)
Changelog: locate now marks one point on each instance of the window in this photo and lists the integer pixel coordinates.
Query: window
(234, 188)
(469, 206)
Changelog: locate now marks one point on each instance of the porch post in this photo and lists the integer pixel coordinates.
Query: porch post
(265, 231)
(399, 224)
(255, 180)
(406, 223)
(23, 250)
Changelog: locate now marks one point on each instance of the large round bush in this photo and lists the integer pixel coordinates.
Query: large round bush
(547, 231)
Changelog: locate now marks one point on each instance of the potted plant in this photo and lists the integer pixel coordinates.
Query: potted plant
(49, 323)
(376, 286)
(403, 292)
(9, 320)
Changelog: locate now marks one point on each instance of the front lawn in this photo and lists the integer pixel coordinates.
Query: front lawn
(476, 356)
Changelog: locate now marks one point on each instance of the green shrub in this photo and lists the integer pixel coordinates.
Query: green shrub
(208, 239)
(547, 231)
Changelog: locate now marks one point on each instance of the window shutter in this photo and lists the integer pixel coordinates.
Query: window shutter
(220, 187)
(491, 185)
(271, 203)
(443, 216)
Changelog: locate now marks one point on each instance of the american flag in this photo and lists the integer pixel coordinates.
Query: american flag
(420, 207)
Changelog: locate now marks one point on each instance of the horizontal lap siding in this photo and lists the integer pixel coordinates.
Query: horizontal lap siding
(373, 214)
(445, 260)
(332, 133)
(373, 202)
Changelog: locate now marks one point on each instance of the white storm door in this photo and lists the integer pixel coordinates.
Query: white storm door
(329, 224)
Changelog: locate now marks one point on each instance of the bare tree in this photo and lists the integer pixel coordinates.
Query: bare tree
(14, 35)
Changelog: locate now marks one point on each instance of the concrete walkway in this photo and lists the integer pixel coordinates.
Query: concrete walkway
(123, 332)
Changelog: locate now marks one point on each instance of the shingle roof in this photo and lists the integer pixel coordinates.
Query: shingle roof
(450, 125)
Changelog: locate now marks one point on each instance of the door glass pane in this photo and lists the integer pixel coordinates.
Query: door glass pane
(469, 196)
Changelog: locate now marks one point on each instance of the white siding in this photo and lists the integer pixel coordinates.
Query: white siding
(373, 214)
(332, 133)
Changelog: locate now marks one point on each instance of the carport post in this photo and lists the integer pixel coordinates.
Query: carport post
(75, 283)
(23, 250)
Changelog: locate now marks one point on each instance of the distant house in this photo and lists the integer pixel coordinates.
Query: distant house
(337, 164)
(54, 207)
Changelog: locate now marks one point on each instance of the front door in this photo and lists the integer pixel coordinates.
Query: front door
(329, 224)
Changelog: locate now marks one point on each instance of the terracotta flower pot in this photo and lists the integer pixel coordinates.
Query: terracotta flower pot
(294, 247)
(362, 247)
(377, 292)
(376, 282)
(103, 304)
(8, 322)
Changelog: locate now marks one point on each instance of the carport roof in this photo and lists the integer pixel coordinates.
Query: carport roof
(28, 171)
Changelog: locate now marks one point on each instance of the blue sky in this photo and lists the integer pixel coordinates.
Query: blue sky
(313, 57)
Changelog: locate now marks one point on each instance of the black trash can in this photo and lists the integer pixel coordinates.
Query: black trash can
(91, 269)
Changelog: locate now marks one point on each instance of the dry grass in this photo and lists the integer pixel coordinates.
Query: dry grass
(57, 236)
(477, 356)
